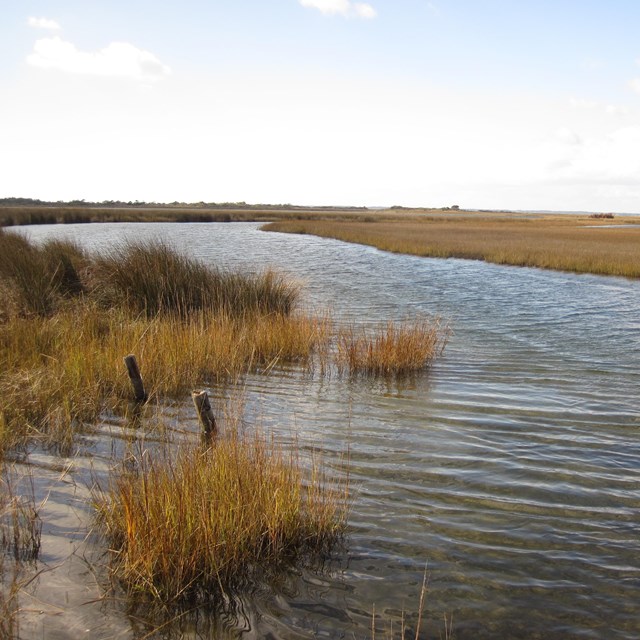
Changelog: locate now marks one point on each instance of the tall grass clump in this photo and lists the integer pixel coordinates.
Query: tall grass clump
(153, 278)
(395, 348)
(203, 522)
(67, 320)
(36, 278)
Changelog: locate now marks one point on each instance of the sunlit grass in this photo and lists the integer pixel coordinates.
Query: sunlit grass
(202, 522)
(68, 319)
(58, 373)
(37, 279)
(394, 348)
(567, 243)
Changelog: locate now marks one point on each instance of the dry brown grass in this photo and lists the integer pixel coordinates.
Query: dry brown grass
(188, 325)
(567, 243)
(195, 525)
(61, 214)
(153, 278)
(395, 348)
(68, 320)
(57, 373)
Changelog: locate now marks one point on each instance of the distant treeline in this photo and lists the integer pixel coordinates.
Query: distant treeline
(28, 211)
(121, 204)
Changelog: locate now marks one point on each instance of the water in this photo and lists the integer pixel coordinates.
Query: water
(511, 469)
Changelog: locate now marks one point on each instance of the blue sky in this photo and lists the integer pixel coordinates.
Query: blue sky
(480, 103)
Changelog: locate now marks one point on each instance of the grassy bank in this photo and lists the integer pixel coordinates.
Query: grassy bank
(68, 319)
(567, 243)
(187, 524)
(79, 214)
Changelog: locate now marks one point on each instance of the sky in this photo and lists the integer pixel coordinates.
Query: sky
(490, 104)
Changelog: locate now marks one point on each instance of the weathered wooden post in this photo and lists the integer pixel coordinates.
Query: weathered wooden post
(205, 412)
(136, 379)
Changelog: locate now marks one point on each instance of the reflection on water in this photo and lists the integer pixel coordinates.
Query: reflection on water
(512, 468)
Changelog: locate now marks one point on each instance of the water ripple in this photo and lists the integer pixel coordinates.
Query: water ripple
(513, 467)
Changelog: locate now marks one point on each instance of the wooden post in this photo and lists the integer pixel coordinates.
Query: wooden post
(136, 379)
(205, 413)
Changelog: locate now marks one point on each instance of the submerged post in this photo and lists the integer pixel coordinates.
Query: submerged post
(205, 412)
(136, 379)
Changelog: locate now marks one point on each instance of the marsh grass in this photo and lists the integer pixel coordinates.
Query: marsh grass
(20, 540)
(68, 319)
(9, 604)
(194, 525)
(37, 278)
(395, 348)
(153, 278)
(58, 373)
(566, 243)
(20, 524)
(61, 214)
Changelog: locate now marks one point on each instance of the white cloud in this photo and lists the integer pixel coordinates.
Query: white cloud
(581, 103)
(43, 23)
(118, 59)
(635, 85)
(363, 10)
(616, 110)
(609, 159)
(568, 136)
(345, 8)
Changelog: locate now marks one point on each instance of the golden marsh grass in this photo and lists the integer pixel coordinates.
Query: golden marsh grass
(58, 373)
(61, 359)
(566, 243)
(196, 524)
(395, 348)
(188, 324)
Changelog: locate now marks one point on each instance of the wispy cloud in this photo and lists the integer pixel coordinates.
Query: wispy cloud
(118, 60)
(433, 8)
(581, 104)
(345, 8)
(634, 85)
(43, 23)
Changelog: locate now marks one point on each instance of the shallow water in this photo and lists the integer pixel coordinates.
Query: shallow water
(512, 468)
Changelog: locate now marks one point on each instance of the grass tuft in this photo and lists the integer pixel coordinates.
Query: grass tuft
(198, 524)
(58, 373)
(189, 325)
(37, 278)
(395, 348)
